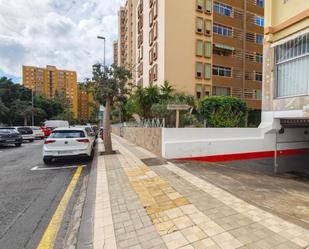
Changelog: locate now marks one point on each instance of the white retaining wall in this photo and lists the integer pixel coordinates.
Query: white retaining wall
(201, 142)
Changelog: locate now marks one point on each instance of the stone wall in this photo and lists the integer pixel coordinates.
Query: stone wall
(147, 138)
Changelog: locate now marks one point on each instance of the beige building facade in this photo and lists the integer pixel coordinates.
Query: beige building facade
(202, 47)
(286, 67)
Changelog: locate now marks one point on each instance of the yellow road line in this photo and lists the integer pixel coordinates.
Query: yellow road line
(50, 234)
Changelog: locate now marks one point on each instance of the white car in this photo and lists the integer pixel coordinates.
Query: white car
(37, 132)
(68, 143)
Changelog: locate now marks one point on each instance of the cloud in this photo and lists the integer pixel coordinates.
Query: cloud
(56, 32)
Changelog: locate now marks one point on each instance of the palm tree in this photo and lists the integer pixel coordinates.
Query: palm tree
(166, 90)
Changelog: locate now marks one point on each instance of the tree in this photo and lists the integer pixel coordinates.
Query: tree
(224, 111)
(3, 110)
(166, 90)
(110, 84)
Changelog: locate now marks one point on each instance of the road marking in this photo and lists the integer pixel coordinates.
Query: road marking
(57, 168)
(50, 234)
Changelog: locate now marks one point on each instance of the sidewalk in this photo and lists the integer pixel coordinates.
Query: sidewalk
(163, 206)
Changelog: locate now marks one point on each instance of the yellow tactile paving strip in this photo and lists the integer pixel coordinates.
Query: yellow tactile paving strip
(178, 221)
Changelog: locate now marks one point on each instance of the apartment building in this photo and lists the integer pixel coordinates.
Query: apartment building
(50, 81)
(86, 102)
(122, 17)
(202, 47)
(115, 52)
(286, 67)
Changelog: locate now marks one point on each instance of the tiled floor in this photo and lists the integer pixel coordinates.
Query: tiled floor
(167, 207)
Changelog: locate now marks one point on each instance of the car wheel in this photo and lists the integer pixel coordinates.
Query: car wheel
(18, 144)
(47, 160)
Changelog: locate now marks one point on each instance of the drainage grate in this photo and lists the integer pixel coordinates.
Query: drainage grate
(154, 161)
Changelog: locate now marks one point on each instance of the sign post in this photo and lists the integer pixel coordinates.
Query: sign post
(177, 108)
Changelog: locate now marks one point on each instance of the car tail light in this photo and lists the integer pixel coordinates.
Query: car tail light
(83, 140)
(50, 141)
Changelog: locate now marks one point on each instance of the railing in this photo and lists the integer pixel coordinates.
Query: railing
(147, 123)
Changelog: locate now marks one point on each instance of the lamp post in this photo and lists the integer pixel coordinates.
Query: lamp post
(32, 100)
(103, 38)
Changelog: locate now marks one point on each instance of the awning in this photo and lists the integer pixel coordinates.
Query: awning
(219, 45)
(290, 37)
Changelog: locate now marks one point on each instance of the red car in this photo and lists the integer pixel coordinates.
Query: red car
(46, 131)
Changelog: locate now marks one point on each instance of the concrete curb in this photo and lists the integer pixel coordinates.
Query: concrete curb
(85, 236)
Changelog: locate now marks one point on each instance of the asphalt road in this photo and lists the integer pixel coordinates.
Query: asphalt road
(29, 198)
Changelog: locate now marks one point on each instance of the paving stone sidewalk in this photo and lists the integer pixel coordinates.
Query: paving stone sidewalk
(164, 206)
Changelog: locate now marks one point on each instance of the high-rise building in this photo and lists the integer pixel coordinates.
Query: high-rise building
(121, 36)
(86, 102)
(286, 65)
(51, 81)
(115, 52)
(202, 47)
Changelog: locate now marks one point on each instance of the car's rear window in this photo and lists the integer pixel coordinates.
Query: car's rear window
(67, 134)
(5, 131)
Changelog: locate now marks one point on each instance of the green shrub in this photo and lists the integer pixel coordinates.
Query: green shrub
(224, 111)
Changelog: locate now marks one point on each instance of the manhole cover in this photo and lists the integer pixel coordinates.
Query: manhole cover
(154, 161)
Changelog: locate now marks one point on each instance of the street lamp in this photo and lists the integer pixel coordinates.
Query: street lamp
(103, 38)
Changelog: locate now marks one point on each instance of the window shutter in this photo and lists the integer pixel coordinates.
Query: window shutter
(208, 6)
(207, 71)
(208, 49)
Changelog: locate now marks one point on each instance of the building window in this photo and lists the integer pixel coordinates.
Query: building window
(208, 27)
(208, 48)
(155, 52)
(155, 9)
(151, 76)
(259, 21)
(208, 8)
(150, 17)
(199, 48)
(155, 72)
(155, 31)
(222, 71)
(207, 71)
(199, 70)
(223, 9)
(199, 89)
(199, 5)
(258, 94)
(260, 3)
(259, 58)
(221, 91)
(150, 57)
(207, 91)
(258, 76)
(258, 39)
(151, 37)
(199, 25)
(222, 30)
(292, 63)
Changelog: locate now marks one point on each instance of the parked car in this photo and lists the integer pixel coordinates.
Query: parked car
(46, 131)
(68, 143)
(37, 132)
(10, 136)
(26, 133)
(53, 124)
(89, 131)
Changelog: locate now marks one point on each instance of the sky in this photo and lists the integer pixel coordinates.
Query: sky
(56, 32)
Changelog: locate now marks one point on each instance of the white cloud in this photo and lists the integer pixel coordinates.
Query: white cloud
(56, 32)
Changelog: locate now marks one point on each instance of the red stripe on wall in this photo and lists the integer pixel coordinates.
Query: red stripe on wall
(246, 156)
